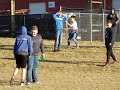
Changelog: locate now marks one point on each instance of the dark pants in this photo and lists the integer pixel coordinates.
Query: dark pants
(109, 51)
(73, 36)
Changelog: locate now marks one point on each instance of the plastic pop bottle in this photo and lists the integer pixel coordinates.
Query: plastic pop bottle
(42, 58)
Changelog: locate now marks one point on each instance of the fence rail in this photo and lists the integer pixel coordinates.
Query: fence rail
(91, 25)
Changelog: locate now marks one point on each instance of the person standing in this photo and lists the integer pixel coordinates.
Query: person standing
(34, 59)
(22, 50)
(109, 42)
(112, 17)
(59, 18)
(73, 31)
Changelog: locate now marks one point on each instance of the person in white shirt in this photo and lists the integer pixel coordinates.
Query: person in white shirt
(73, 31)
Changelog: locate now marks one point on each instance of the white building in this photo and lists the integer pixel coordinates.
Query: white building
(116, 4)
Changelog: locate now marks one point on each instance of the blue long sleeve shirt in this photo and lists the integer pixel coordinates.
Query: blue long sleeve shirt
(59, 21)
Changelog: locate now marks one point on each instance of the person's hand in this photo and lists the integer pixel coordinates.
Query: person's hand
(43, 55)
(110, 44)
(30, 56)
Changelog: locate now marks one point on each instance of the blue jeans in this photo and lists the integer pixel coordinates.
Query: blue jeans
(32, 69)
(73, 37)
(58, 40)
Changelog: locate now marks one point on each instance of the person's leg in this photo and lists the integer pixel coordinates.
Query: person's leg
(56, 40)
(29, 69)
(13, 76)
(112, 54)
(60, 40)
(15, 72)
(23, 74)
(75, 40)
(107, 53)
(69, 38)
(17, 57)
(34, 71)
(24, 59)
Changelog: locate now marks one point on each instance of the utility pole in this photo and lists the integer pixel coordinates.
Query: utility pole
(12, 17)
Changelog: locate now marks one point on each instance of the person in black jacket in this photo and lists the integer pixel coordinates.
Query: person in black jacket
(109, 42)
(112, 16)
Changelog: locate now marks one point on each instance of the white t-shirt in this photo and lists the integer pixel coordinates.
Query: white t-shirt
(73, 25)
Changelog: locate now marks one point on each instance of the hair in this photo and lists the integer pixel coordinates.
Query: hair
(34, 27)
(73, 16)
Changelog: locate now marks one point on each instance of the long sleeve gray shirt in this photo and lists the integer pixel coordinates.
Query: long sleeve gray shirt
(37, 45)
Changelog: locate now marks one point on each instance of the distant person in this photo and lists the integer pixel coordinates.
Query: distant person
(59, 18)
(23, 48)
(34, 59)
(109, 42)
(112, 17)
(73, 31)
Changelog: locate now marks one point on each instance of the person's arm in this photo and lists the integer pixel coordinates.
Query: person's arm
(55, 15)
(111, 36)
(117, 19)
(42, 47)
(108, 17)
(68, 24)
(30, 46)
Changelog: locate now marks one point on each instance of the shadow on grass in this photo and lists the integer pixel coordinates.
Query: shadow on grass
(6, 47)
(8, 58)
(4, 83)
(74, 62)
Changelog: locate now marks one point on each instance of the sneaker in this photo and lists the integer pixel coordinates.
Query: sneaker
(59, 50)
(28, 83)
(22, 83)
(106, 64)
(54, 50)
(77, 46)
(37, 82)
(12, 81)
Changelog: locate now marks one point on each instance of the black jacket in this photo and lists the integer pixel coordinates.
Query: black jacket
(109, 35)
(113, 18)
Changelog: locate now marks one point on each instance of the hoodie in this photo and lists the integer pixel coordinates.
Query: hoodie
(23, 43)
(109, 35)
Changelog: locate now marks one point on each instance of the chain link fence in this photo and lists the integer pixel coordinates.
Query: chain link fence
(91, 25)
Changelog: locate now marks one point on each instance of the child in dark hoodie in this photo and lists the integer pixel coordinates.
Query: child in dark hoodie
(22, 50)
(109, 42)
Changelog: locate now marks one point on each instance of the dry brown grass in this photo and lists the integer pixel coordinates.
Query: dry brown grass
(69, 69)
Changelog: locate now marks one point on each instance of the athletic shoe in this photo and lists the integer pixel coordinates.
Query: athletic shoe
(28, 83)
(37, 82)
(22, 83)
(54, 50)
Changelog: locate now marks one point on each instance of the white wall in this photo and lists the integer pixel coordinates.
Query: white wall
(37, 8)
(116, 4)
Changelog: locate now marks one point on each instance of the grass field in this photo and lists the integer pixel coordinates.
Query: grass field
(69, 69)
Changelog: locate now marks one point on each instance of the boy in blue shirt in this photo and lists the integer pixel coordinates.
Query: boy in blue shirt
(59, 18)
